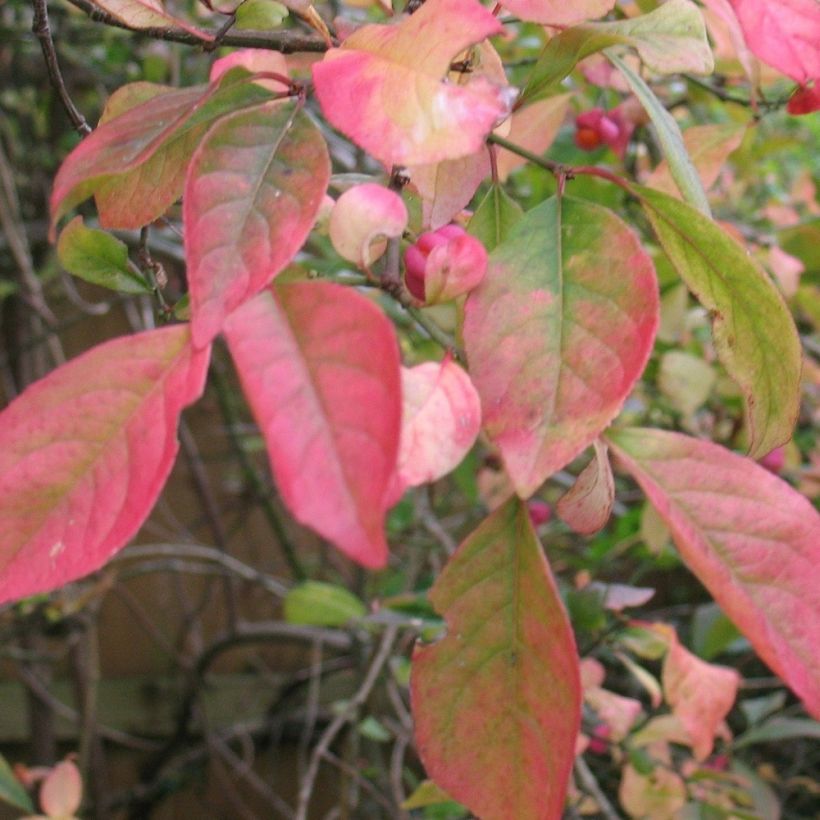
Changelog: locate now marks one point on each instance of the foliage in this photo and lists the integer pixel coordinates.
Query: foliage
(552, 320)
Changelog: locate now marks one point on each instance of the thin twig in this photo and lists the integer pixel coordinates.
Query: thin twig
(42, 30)
(286, 42)
(338, 723)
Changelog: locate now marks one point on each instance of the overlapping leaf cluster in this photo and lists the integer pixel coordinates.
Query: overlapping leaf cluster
(555, 335)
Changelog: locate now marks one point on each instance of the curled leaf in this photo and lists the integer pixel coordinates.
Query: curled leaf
(361, 218)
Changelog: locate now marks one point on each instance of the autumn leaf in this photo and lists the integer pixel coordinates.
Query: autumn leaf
(497, 701)
(784, 34)
(319, 364)
(587, 505)
(557, 333)
(750, 539)
(253, 192)
(84, 453)
(383, 88)
(754, 333)
(163, 122)
(441, 418)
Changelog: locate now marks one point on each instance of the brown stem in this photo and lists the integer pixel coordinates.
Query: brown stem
(286, 42)
(42, 30)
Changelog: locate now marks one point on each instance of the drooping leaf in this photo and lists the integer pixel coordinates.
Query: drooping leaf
(441, 419)
(670, 138)
(708, 146)
(162, 122)
(363, 86)
(753, 330)
(497, 701)
(361, 220)
(587, 505)
(669, 40)
(99, 258)
(317, 603)
(320, 367)
(147, 14)
(700, 694)
(784, 34)
(557, 12)
(557, 334)
(84, 453)
(252, 194)
(494, 218)
(750, 539)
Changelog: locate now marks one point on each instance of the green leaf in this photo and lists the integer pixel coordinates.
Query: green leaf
(777, 729)
(754, 333)
(670, 138)
(11, 790)
(97, 257)
(497, 701)
(261, 15)
(316, 603)
(494, 217)
(669, 40)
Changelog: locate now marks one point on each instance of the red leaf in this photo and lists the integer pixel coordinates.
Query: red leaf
(784, 34)
(497, 702)
(84, 453)
(555, 341)
(363, 86)
(748, 536)
(320, 367)
(252, 195)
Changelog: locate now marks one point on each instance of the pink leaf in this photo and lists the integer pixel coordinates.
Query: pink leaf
(497, 701)
(558, 12)
(701, 694)
(320, 367)
(554, 344)
(441, 418)
(360, 220)
(363, 86)
(447, 187)
(253, 192)
(586, 507)
(62, 791)
(750, 539)
(84, 453)
(784, 34)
